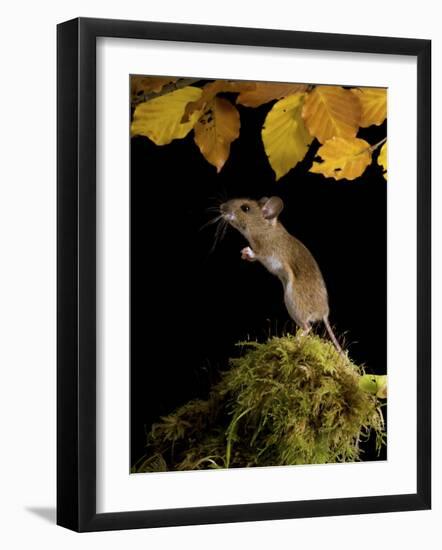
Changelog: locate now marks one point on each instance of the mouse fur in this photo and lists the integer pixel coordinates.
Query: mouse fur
(305, 292)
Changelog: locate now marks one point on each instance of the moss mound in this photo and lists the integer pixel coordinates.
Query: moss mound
(290, 400)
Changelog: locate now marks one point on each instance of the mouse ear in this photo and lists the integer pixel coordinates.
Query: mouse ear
(262, 201)
(272, 208)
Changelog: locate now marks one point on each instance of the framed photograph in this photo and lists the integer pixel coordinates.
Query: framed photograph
(243, 274)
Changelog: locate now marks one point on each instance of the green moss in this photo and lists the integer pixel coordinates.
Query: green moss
(290, 400)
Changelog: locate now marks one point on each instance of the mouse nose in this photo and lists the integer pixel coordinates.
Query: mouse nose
(223, 208)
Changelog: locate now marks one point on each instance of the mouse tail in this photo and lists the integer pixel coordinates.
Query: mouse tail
(332, 335)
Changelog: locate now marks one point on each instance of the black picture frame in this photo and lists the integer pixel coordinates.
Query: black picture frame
(76, 274)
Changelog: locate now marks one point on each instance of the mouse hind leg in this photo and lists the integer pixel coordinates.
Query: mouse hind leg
(296, 311)
(305, 329)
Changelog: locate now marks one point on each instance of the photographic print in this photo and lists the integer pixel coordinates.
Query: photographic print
(258, 273)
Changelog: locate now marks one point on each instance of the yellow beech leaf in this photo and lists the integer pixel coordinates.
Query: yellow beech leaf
(267, 91)
(285, 138)
(159, 119)
(331, 111)
(215, 131)
(343, 158)
(373, 104)
(140, 85)
(210, 90)
(382, 159)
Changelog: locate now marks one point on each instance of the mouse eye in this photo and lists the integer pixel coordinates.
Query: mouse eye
(245, 207)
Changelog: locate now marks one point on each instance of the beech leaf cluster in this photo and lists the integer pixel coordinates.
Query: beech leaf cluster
(299, 115)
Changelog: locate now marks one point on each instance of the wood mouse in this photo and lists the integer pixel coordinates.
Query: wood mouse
(305, 293)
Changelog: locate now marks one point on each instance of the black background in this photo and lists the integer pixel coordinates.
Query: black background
(189, 306)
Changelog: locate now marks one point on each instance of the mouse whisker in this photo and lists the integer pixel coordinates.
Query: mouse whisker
(219, 232)
(224, 230)
(223, 193)
(216, 219)
(220, 195)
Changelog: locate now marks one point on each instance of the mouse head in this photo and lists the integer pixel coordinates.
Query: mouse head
(252, 217)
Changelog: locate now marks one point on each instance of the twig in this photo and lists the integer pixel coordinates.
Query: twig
(376, 145)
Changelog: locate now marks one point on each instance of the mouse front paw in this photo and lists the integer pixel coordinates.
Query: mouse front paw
(248, 254)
